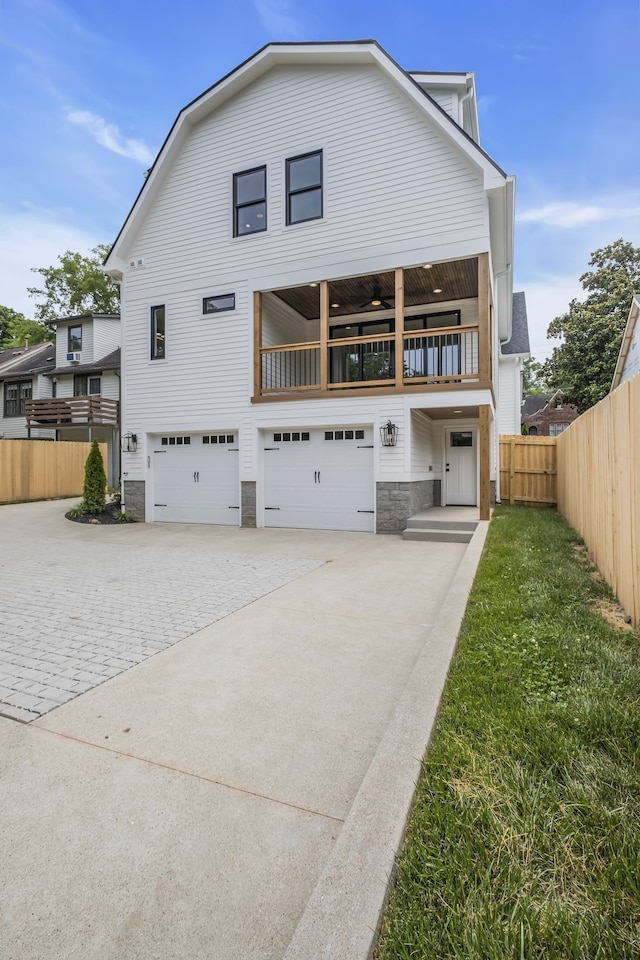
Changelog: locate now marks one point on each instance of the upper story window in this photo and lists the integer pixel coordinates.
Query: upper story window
(157, 332)
(225, 301)
(304, 187)
(250, 201)
(75, 339)
(15, 397)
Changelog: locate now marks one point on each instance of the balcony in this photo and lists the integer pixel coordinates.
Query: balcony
(73, 411)
(415, 329)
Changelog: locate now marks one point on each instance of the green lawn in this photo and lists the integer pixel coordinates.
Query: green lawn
(525, 837)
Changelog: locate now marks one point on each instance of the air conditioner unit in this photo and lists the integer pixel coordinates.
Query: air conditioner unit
(74, 357)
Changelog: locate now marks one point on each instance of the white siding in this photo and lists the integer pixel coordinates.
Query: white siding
(282, 324)
(509, 395)
(632, 361)
(62, 343)
(446, 100)
(422, 457)
(110, 386)
(106, 337)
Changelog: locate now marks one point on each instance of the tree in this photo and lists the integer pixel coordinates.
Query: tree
(15, 328)
(584, 363)
(95, 481)
(533, 377)
(78, 285)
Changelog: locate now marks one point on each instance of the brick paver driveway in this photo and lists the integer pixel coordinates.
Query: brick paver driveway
(74, 613)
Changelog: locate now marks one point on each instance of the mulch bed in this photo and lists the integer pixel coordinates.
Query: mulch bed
(107, 516)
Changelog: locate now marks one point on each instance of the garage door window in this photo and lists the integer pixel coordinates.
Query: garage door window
(344, 434)
(220, 438)
(293, 437)
(175, 441)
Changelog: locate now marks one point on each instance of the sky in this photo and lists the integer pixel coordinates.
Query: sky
(88, 92)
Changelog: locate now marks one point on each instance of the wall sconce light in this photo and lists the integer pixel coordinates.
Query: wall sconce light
(389, 434)
(129, 443)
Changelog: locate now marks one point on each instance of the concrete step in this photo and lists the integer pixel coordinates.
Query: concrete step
(440, 536)
(422, 523)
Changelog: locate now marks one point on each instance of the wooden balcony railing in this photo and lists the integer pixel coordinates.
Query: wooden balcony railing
(73, 411)
(430, 358)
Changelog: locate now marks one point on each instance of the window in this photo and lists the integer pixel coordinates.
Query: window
(358, 362)
(461, 439)
(304, 188)
(94, 386)
(437, 356)
(555, 429)
(75, 339)
(157, 332)
(250, 201)
(225, 301)
(15, 397)
(80, 384)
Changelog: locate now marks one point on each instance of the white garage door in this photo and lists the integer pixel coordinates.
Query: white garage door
(196, 478)
(319, 479)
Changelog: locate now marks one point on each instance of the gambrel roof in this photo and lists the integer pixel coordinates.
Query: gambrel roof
(499, 186)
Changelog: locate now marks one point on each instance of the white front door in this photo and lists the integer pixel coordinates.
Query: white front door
(196, 479)
(319, 479)
(461, 482)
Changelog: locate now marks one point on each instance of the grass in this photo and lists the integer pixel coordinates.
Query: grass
(524, 841)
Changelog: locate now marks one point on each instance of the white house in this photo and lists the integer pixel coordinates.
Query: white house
(82, 398)
(629, 357)
(316, 282)
(512, 356)
(23, 376)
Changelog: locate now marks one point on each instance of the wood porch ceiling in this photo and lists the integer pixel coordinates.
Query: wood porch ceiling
(456, 279)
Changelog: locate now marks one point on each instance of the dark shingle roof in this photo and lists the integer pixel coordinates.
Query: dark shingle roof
(533, 403)
(110, 362)
(21, 361)
(519, 342)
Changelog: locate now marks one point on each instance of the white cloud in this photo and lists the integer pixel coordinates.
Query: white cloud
(278, 19)
(34, 238)
(109, 136)
(568, 215)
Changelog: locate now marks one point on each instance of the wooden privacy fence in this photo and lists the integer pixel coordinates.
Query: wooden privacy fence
(40, 469)
(527, 470)
(599, 488)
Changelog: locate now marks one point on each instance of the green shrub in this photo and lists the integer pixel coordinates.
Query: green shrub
(78, 511)
(95, 481)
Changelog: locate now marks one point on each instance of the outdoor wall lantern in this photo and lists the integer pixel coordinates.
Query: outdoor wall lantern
(129, 442)
(388, 434)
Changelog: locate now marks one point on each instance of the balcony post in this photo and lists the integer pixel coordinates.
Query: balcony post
(484, 322)
(257, 343)
(399, 326)
(324, 334)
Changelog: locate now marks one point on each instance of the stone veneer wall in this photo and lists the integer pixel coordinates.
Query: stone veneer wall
(248, 503)
(397, 501)
(134, 498)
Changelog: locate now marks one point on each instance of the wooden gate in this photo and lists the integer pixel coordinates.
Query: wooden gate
(528, 470)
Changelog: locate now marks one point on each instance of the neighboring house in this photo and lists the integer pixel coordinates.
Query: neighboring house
(23, 376)
(83, 400)
(512, 355)
(629, 357)
(546, 415)
(316, 281)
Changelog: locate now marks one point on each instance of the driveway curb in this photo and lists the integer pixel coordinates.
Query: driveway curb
(342, 916)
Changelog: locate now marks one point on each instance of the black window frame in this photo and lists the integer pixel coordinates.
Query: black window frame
(208, 303)
(361, 353)
(17, 404)
(93, 380)
(308, 189)
(156, 354)
(70, 347)
(238, 207)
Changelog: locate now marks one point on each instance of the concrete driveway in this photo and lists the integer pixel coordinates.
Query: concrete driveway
(231, 775)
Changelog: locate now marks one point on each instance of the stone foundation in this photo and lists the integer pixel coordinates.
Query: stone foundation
(396, 502)
(133, 494)
(248, 503)
(492, 492)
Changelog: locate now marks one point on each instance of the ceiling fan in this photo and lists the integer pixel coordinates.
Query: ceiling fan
(377, 299)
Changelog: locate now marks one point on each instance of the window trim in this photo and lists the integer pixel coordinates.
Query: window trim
(218, 296)
(294, 193)
(237, 207)
(155, 355)
(70, 348)
(20, 400)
